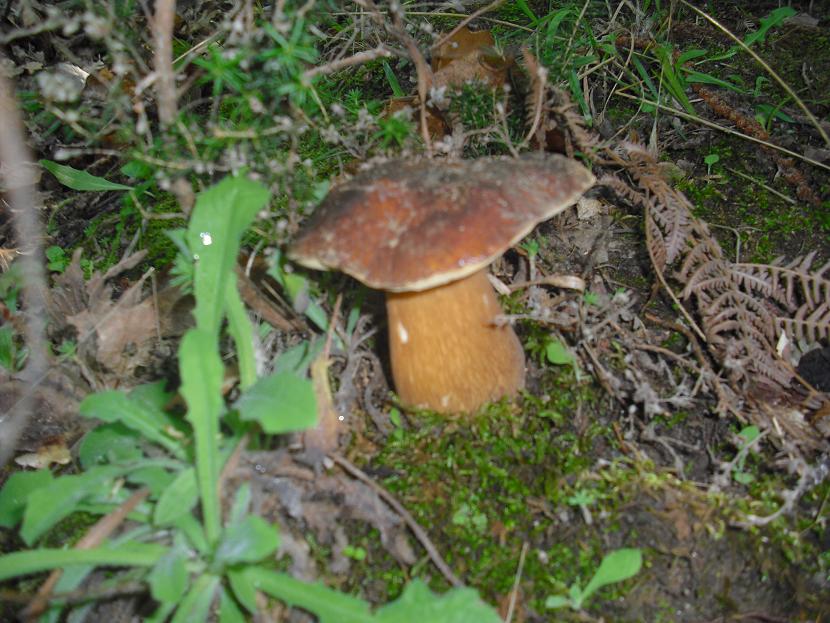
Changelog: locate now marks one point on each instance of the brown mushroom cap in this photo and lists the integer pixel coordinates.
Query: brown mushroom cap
(412, 226)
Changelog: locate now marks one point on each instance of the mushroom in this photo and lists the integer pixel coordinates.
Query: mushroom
(424, 233)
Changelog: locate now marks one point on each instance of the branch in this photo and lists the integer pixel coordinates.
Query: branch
(20, 194)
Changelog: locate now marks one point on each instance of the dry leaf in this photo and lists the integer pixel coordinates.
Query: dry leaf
(55, 452)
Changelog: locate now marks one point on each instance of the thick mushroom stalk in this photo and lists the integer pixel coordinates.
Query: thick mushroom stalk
(446, 352)
(424, 232)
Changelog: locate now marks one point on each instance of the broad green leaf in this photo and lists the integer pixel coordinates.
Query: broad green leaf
(80, 180)
(168, 578)
(154, 477)
(220, 217)
(281, 403)
(191, 529)
(418, 604)
(329, 605)
(241, 504)
(196, 604)
(177, 499)
(250, 540)
(201, 371)
(749, 433)
(116, 406)
(152, 395)
(297, 359)
(49, 504)
(229, 612)
(23, 563)
(109, 443)
(16, 492)
(243, 590)
(617, 566)
(558, 354)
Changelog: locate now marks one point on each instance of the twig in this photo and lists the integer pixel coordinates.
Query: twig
(569, 282)
(766, 67)
(361, 57)
(96, 535)
(538, 79)
(711, 124)
(257, 302)
(20, 195)
(514, 591)
(485, 9)
(417, 530)
(165, 83)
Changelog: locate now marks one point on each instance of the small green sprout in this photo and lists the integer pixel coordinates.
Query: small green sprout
(617, 566)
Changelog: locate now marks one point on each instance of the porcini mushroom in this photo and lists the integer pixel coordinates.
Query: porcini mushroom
(424, 233)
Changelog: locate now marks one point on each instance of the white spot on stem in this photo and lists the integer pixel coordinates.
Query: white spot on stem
(403, 335)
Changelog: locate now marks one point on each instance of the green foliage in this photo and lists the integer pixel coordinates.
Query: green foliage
(184, 559)
(80, 180)
(616, 566)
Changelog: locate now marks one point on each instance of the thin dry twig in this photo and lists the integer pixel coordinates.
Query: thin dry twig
(784, 85)
(515, 590)
(417, 530)
(165, 83)
(380, 51)
(21, 198)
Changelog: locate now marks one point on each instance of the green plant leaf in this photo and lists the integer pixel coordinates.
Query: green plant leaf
(558, 354)
(297, 359)
(775, 17)
(116, 406)
(130, 554)
(696, 76)
(196, 604)
(228, 610)
(557, 601)
(201, 371)
(243, 590)
(241, 504)
(109, 443)
(154, 477)
(329, 605)
(168, 578)
(49, 504)
(617, 566)
(523, 6)
(80, 180)
(177, 499)
(221, 215)
(250, 540)
(418, 603)
(280, 403)
(397, 91)
(240, 328)
(16, 492)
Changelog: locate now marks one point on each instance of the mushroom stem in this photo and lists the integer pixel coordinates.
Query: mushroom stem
(446, 352)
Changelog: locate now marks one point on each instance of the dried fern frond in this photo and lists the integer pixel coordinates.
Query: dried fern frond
(744, 308)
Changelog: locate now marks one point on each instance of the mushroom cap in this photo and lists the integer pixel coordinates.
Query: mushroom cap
(409, 226)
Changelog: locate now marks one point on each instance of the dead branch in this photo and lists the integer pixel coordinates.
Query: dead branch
(20, 194)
